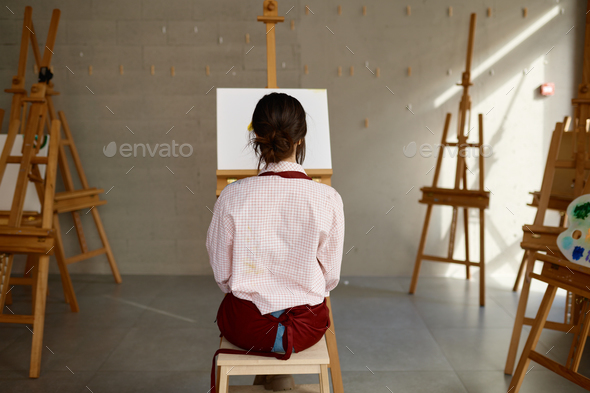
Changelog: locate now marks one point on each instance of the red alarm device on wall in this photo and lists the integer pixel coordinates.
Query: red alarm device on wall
(547, 89)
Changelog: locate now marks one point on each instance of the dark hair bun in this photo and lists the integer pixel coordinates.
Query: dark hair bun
(279, 123)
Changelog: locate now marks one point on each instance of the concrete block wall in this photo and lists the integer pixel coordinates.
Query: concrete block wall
(157, 213)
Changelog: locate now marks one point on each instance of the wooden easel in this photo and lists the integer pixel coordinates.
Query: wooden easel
(19, 235)
(561, 193)
(458, 197)
(270, 18)
(557, 273)
(71, 200)
(567, 165)
(541, 238)
(224, 177)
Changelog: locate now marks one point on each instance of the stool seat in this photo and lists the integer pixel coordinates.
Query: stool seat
(316, 354)
(313, 360)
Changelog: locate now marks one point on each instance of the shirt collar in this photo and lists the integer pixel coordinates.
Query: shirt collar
(283, 166)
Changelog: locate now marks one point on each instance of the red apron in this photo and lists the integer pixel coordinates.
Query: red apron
(242, 324)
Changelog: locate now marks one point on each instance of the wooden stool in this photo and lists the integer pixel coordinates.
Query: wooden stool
(313, 360)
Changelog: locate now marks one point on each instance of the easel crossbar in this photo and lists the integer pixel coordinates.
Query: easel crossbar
(557, 368)
(434, 258)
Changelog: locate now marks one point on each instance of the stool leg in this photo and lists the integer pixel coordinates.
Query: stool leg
(223, 387)
(324, 379)
(534, 335)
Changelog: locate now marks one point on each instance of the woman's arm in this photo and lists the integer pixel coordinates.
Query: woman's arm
(330, 250)
(219, 246)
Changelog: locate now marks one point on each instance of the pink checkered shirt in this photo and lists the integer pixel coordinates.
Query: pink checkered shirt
(277, 241)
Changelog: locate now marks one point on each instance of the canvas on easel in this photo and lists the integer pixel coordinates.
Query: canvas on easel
(236, 160)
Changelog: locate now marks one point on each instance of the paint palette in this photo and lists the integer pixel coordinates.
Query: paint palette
(574, 242)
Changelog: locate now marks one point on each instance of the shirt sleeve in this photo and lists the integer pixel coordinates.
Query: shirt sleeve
(220, 246)
(330, 249)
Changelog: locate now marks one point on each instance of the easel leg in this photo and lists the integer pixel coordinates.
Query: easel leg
(531, 342)
(333, 351)
(453, 232)
(482, 260)
(5, 271)
(520, 270)
(34, 271)
(520, 313)
(66, 281)
(577, 348)
(29, 265)
(418, 262)
(107, 246)
(466, 226)
(39, 315)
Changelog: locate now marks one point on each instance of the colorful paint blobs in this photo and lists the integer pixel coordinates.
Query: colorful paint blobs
(581, 211)
(578, 252)
(574, 241)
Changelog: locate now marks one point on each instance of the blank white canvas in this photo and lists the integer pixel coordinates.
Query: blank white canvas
(234, 113)
(8, 184)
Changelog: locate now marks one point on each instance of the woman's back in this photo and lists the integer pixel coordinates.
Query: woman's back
(283, 236)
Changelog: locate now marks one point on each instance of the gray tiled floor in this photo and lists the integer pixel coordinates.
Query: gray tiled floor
(157, 334)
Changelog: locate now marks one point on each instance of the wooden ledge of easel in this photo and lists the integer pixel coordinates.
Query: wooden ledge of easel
(558, 202)
(542, 229)
(69, 205)
(270, 19)
(580, 101)
(227, 176)
(27, 244)
(16, 90)
(253, 172)
(24, 231)
(60, 196)
(29, 219)
(455, 197)
(540, 238)
(454, 191)
(474, 145)
(569, 164)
